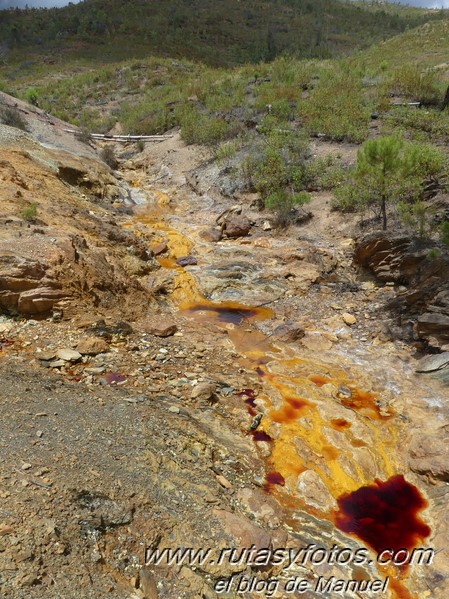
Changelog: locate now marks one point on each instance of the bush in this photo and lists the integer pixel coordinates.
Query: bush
(409, 81)
(324, 173)
(83, 136)
(30, 212)
(284, 205)
(202, 128)
(336, 107)
(13, 118)
(416, 217)
(390, 170)
(31, 96)
(107, 155)
(421, 124)
(226, 151)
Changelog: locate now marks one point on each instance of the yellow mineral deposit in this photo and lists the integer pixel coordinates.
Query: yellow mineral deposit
(300, 433)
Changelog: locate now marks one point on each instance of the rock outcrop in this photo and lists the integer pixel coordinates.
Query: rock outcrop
(60, 241)
(424, 275)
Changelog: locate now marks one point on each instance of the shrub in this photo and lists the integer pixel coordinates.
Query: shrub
(421, 124)
(409, 81)
(107, 155)
(336, 107)
(416, 217)
(30, 212)
(324, 173)
(13, 118)
(226, 151)
(83, 136)
(31, 96)
(390, 170)
(202, 128)
(284, 205)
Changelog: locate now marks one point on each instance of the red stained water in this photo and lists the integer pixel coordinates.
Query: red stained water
(250, 400)
(340, 424)
(230, 312)
(365, 402)
(113, 378)
(261, 436)
(385, 515)
(273, 478)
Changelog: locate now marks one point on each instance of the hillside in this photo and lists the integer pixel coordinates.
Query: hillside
(217, 32)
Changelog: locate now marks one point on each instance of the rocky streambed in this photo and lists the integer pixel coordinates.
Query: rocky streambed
(208, 384)
(339, 417)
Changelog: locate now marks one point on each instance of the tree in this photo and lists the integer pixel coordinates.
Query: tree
(390, 170)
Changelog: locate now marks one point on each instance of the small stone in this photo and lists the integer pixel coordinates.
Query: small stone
(212, 235)
(45, 355)
(224, 482)
(349, 319)
(29, 581)
(203, 391)
(26, 466)
(148, 584)
(92, 346)
(160, 327)
(96, 370)
(57, 364)
(433, 362)
(344, 392)
(237, 225)
(69, 355)
(159, 248)
(267, 226)
(186, 261)
(39, 434)
(174, 409)
(5, 530)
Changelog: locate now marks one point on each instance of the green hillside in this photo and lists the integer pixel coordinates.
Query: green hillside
(218, 32)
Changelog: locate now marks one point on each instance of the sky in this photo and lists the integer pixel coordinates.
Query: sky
(47, 3)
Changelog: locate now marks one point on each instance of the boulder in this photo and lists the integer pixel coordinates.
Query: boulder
(25, 286)
(159, 248)
(243, 532)
(349, 319)
(289, 332)
(38, 301)
(236, 225)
